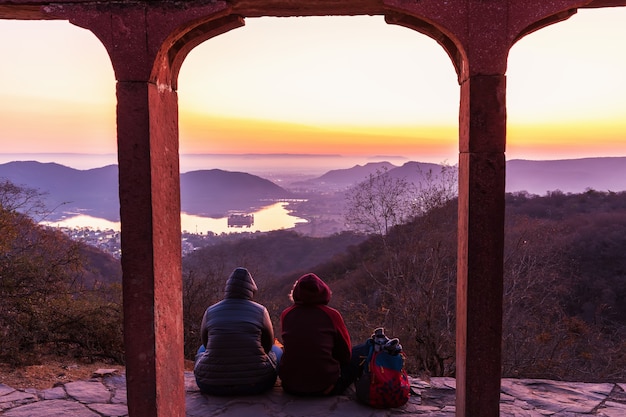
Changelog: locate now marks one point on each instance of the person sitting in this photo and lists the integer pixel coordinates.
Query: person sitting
(238, 355)
(317, 346)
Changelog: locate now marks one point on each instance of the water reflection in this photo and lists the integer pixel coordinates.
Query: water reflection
(273, 217)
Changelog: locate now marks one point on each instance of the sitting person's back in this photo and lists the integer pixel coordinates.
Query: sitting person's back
(237, 336)
(316, 341)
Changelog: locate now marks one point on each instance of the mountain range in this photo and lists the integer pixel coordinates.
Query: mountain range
(341, 179)
(215, 192)
(534, 177)
(209, 193)
(566, 175)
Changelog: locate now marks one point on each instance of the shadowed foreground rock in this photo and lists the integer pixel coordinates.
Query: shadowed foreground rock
(105, 395)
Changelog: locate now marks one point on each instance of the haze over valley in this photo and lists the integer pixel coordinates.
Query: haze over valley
(213, 194)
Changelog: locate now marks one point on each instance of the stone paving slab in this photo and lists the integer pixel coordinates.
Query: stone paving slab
(105, 395)
(550, 397)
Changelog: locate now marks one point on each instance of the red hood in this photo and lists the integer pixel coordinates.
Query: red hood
(310, 289)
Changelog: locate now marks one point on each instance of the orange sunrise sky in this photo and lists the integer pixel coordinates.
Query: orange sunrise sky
(332, 85)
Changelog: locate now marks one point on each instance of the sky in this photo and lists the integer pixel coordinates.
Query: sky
(323, 85)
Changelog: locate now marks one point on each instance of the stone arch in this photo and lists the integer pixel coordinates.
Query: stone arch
(147, 42)
(175, 48)
(446, 40)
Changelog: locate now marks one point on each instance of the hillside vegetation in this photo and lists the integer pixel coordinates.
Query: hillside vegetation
(565, 286)
(57, 295)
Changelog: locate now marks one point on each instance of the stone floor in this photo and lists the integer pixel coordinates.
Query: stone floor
(105, 395)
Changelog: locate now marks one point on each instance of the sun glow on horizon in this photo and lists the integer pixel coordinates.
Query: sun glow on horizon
(229, 135)
(359, 86)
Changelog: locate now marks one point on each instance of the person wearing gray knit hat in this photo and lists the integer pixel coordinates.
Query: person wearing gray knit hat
(237, 355)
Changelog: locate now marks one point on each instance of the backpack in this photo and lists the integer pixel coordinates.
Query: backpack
(384, 382)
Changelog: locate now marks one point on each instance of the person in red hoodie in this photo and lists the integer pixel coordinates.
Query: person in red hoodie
(317, 347)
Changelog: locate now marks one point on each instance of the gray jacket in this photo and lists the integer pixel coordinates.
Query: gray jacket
(237, 333)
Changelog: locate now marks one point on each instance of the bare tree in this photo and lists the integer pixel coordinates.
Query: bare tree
(435, 189)
(414, 274)
(383, 201)
(379, 203)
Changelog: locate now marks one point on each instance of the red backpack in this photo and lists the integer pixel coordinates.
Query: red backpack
(384, 382)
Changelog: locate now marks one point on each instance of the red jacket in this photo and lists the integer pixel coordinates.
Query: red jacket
(315, 338)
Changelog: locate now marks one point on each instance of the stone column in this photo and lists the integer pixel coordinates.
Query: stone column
(151, 249)
(482, 137)
(481, 241)
(147, 46)
(149, 191)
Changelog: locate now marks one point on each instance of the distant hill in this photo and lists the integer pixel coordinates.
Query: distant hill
(338, 179)
(95, 191)
(535, 177)
(416, 171)
(214, 192)
(567, 175)
(341, 179)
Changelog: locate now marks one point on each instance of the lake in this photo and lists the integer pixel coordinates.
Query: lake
(273, 217)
